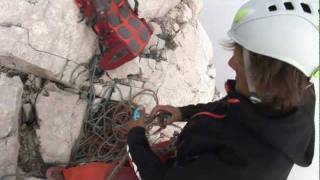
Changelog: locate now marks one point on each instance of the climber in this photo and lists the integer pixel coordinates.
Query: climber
(265, 124)
(262, 127)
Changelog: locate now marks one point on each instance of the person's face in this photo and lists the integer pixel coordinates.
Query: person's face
(236, 63)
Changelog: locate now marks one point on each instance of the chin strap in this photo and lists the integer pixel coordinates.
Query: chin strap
(252, 89)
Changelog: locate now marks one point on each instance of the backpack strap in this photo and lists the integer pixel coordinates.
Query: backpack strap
(210, 114)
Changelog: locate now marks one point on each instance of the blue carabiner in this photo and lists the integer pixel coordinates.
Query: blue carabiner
(137, 114)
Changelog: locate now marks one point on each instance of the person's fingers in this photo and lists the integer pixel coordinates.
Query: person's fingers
(170, 121)
(164, 119)
(175, 116)
(143, 113)
(171, 110)
(156, 110)
(165, 110)
(161, 122)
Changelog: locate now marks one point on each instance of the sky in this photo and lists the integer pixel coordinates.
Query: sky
(216, 17)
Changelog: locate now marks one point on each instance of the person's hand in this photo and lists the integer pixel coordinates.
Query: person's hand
(137, 121)
(175, 114)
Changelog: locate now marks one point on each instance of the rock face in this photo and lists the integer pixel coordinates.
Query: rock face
(176, 62)
(44, 38)
(60, 115)
(188, 69)
(155, 8)
(10, 105)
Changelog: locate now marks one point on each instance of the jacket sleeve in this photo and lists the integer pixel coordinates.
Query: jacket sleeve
(205, 167)
(189, 110)
(149, 166)
(147, 162)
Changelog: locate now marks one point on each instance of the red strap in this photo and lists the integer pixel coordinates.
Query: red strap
(210, 114)
(98, 171)
(233, 101)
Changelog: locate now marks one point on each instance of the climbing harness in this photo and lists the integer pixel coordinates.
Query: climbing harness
(122, 34)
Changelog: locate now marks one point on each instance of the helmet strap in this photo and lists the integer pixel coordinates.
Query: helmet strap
(252, 89)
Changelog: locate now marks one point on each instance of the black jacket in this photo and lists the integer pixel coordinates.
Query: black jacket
(245, 142)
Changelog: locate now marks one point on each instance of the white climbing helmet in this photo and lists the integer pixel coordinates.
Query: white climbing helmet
(287, 30)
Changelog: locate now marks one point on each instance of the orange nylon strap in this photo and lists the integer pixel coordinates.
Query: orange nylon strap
(97, 171)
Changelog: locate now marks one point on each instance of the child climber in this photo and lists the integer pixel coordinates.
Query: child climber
(265, 124)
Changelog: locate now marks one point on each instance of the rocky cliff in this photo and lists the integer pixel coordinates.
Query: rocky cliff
(44, 58)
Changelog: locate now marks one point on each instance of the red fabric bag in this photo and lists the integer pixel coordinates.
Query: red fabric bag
(121, 32)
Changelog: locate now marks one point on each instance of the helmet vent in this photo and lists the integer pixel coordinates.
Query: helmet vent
(288, 5)
(306, 8)
(273, 8)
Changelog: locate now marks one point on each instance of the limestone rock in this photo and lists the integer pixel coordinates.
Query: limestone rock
(129, 68)
(181, 75)
(195, 5)
(155, 43)
(187, 14)
(182, 13)
(186, 77)
(154, 48)
(28, 112)
(156, 28)
(155, 8)
(74, 74)
(43, 37)
(61, 115)
(9, 149)
(10, 105)
(185, 72)
(192, 59)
